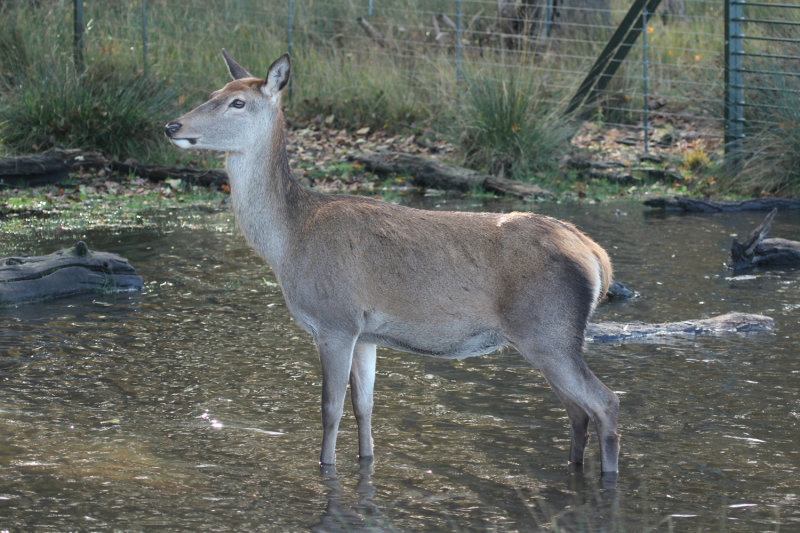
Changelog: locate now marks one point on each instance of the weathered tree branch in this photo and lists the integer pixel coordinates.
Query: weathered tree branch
(429, 172)
(197, 176)
(47, 167)
(613, 332)
(54, 165)
(372, 32)
(756, 250)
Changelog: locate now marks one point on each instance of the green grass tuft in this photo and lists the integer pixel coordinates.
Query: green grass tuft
(509, 126)
(109, 108)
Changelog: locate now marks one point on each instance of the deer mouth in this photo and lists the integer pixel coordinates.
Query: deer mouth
(184, 142)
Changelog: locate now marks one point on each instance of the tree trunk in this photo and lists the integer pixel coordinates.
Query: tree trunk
(672, 10)
(573, 16)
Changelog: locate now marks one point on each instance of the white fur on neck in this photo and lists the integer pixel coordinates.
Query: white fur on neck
(258, 203)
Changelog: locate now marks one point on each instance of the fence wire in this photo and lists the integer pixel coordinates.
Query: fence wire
(676, 74)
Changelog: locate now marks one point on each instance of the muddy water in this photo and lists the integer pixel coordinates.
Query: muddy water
(195, 406)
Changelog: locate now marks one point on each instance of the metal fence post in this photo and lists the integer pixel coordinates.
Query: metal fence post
(645, 110)
(290, 29)
(78, 38)
(144, 37)
(548, 17)
(734, 120)
(459, 74)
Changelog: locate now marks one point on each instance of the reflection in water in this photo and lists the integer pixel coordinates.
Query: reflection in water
(585, 505)
(195, 406)
(339, 514)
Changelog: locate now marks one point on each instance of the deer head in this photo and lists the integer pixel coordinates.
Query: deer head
(236, 117)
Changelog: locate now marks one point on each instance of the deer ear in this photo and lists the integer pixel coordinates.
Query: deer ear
(278, 75)
(237, 71)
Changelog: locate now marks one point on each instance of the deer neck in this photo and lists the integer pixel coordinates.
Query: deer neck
(269, 203)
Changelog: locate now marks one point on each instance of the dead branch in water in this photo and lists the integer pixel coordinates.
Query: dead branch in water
(756, 250)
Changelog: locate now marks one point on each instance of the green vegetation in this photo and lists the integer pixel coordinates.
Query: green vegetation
(104, 108)
(508, 125)
(93, 202)
(504, 120)
(771, 158)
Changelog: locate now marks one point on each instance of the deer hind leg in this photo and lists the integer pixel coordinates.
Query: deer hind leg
(579, 420)
(585, 398)
(336, 357)
(362, 382)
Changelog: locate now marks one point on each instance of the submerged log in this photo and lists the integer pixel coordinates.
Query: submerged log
(699, 205)
(758, 251)
(612, 332)
(428, 172)
(67, 272)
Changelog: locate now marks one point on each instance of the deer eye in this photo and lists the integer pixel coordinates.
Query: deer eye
(238, 104)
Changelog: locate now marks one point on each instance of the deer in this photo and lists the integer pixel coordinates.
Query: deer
(357, 272)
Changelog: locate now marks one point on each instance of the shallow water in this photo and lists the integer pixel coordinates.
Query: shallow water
(195, 406)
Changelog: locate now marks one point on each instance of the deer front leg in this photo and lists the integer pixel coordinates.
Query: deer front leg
(336, 356)
(362, 382)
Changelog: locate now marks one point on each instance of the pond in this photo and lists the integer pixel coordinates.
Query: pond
(195, 405)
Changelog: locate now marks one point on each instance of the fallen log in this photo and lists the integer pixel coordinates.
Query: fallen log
(429, 172)
(758, 251)
(614, 332)
(157, 173)
(54, 165)
(47, 167)
(699, 205)
(617, 172)
(36, 169)
(68, 272)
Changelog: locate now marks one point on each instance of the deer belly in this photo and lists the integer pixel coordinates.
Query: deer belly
(446, 345)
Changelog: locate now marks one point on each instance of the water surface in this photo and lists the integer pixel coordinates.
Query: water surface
(195, 406)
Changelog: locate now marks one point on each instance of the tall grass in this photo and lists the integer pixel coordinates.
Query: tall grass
(46, 102)
(363, 91)
(508, 125)
(119, 112)
(770, 157)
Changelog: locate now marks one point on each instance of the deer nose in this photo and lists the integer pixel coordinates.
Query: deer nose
(172, 128)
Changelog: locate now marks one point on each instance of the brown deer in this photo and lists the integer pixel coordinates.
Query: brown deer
(358, 272)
